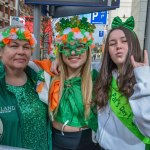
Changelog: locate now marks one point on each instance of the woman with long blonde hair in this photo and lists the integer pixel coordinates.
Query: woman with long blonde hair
(73, 117)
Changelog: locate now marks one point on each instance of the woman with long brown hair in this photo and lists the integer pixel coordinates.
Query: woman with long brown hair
(122, 91)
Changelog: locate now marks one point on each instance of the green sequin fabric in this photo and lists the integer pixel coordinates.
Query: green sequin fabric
(33, 116)
(2, 70)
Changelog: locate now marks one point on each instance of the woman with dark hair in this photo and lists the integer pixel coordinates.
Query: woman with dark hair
(122, 91)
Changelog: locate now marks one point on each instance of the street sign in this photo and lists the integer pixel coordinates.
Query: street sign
(99, 17)
(17, 21)
(101, 33)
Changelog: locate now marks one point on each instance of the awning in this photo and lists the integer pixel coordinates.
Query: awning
(62, 8)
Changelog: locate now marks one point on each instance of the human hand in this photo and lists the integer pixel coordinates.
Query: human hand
(55, 67)
(139, 64)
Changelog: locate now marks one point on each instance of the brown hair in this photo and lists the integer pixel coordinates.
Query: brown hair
(126, 76)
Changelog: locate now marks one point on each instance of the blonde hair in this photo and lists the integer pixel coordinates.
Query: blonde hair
(85, 86)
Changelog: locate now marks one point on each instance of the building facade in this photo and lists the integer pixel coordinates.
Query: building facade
(7, 9)
(10, 8)
(124, 11)
(135, 8)
(139, 11)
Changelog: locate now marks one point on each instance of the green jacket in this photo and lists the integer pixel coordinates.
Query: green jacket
(11, 115)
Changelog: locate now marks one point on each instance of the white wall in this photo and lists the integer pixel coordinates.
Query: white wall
(139, 9)
(135, 8)
(124, 11)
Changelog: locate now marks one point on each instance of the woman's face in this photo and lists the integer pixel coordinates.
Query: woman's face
(16, 54)
(118, 47)
(75, 61)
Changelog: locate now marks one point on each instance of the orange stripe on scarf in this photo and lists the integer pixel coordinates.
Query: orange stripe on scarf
(45, 64)
(54, 95)
(40, 87)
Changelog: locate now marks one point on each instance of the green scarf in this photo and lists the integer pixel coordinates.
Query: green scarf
(71, 106)
(121, 107)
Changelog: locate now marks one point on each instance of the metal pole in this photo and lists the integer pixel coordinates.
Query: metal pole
(37, 16)
(17, 8)
(147, 30)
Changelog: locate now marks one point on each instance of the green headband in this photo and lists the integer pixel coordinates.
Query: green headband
(129, 23)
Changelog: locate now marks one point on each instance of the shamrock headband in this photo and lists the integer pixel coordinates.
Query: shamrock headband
(129, 23)
(73, 29)
(15, 33)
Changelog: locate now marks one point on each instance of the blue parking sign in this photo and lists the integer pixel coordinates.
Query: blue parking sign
(99, 17)
(101, 33)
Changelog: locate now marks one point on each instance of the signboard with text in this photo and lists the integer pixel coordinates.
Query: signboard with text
(14, 20)
(99, 17)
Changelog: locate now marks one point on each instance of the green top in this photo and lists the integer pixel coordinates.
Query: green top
(23, 117)
(33, 120)
(71, 107)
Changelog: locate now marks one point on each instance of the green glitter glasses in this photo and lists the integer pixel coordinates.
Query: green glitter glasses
(78, 48)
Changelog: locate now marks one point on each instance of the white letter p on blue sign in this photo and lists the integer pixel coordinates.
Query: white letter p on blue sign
(94, 15)
(99, 17)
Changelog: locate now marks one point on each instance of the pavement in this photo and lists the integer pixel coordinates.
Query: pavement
(96, 64)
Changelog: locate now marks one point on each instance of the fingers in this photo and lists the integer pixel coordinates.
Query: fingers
(57, 71)
(55, 68)
(133, 61)
(54, 71)
(146, 60)
(140, 64)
